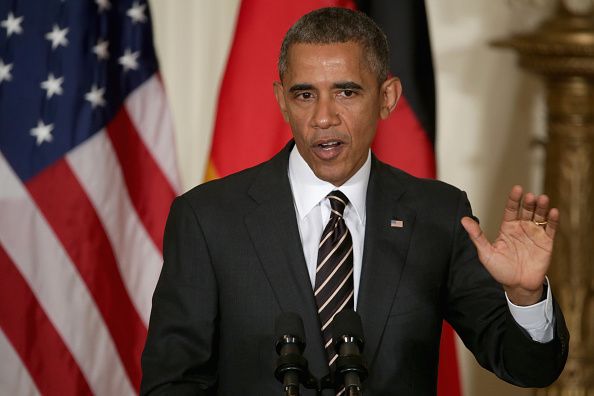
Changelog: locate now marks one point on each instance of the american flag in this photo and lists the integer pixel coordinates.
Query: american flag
(87, 174)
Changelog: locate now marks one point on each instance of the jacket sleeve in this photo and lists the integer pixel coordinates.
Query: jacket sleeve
(179, 357)
(477, 309)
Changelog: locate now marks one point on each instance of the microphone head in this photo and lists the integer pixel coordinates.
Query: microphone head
(288, 328)
(347, 323)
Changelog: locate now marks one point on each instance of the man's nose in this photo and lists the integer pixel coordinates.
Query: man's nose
(326, 113)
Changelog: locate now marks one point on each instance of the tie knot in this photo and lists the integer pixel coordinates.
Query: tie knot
(338, 202)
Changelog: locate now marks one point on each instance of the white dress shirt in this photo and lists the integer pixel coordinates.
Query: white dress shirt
(313, 212)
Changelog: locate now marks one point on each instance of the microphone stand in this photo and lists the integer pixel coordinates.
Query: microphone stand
(329, 382)
(355, 388)
(292, 390)
(349, 365)
(353, 391)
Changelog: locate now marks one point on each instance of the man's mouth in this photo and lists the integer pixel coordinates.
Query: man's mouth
(329, 145)
(328, 149)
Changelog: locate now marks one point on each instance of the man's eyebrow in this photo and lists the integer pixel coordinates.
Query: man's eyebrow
(338, 85)
(347, 85)
(301, 87)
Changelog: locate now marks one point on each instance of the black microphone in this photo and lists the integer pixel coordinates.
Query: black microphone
(347, 335)
(291, 366)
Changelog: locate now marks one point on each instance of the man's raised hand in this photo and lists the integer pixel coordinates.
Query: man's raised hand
(520, 256)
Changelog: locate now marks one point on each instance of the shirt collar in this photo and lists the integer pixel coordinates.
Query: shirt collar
(309, 191)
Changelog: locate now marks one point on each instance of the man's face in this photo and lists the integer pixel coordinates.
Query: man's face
(333, 101)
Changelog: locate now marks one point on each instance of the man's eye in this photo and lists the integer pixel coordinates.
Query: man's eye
(348, 93)
(305, 95)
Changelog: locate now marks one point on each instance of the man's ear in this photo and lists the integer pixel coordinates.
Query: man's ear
(279, 94)
(390, 92)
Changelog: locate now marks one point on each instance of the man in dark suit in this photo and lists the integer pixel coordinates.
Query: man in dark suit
(243, 249)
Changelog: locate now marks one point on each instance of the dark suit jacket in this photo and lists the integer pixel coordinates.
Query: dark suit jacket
(234, 262)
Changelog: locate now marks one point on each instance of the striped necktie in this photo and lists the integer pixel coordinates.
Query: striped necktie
(334, 272)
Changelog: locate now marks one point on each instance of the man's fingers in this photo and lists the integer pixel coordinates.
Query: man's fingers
(513, 204)
(552, 222)
(476, 235)
(542, 208)
(528, 207)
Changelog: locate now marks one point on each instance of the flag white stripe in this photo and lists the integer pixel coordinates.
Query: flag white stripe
(149, 113)
(14, 376)
(137, 257)
(57, 285)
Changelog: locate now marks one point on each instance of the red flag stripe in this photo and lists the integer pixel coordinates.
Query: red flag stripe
(448, 381)
(64, 203)
(149, 112)
(40, 347)
(143, 176)
(138, 259)
(58, 287)
(401, 142)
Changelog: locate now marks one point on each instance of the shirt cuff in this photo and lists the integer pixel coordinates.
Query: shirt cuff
(538, 319)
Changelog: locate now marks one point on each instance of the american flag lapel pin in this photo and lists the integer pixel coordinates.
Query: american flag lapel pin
(396, 223)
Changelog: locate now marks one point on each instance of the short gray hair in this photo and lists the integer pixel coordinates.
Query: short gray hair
(339, 25)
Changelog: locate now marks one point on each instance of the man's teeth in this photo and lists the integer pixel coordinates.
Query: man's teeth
(329, 144)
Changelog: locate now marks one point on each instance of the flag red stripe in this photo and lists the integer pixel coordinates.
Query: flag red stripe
(72, 216)
(402, 142)
(62, 293)
(148, 111)
(150, 191)
(137, 256)
(448, 380)
(34, 338)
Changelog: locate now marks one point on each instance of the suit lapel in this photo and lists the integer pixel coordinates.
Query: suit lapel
(385, 251)
(273, 229)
